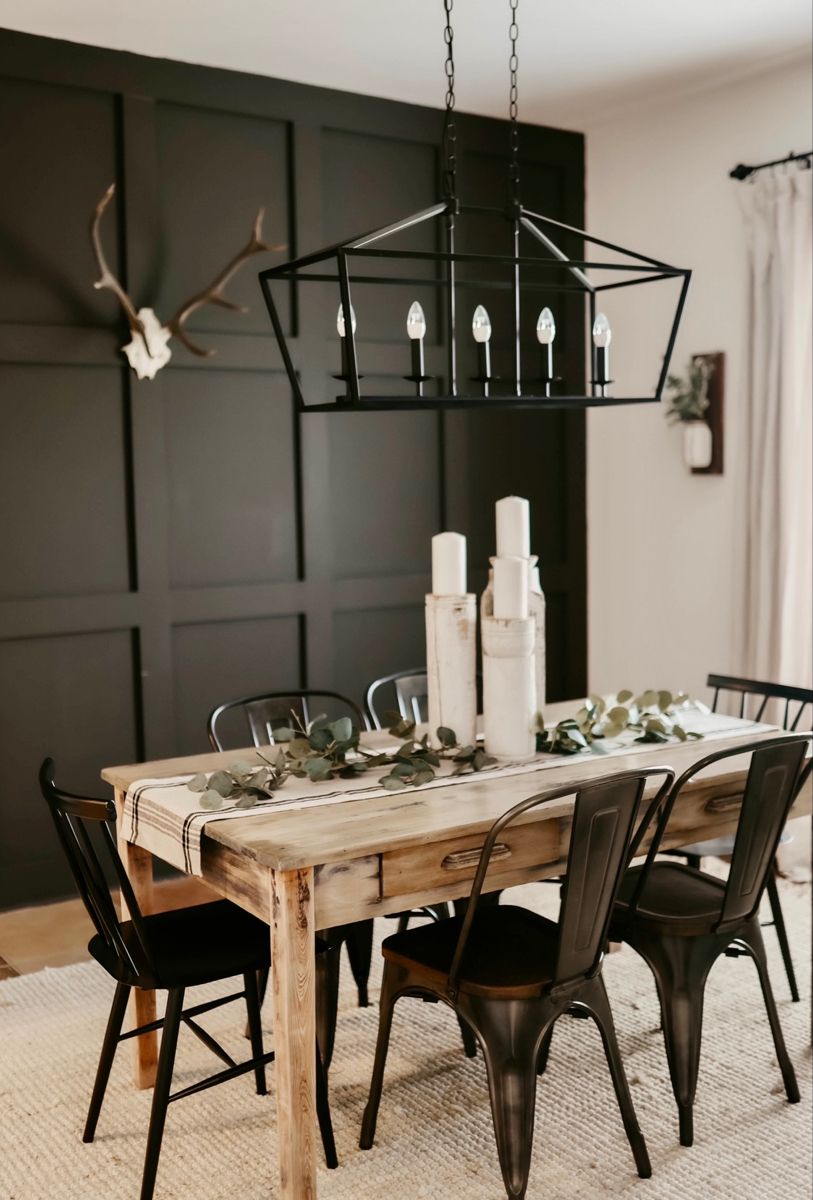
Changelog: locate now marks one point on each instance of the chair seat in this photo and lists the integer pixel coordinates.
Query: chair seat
(677, 900)
(511, 952)
(191, 946)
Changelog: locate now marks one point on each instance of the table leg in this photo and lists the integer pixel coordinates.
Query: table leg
(138, 865)
(294, 975)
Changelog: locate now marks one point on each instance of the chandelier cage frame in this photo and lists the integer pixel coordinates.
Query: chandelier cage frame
(642, 269)
(638, 269)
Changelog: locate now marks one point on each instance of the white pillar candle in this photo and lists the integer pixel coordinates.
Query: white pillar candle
(513, 527)
(511, 586)
(448, 564)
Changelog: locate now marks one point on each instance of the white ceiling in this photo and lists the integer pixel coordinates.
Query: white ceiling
(581, 61)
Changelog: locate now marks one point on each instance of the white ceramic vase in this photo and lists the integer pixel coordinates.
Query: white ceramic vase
(697, 444)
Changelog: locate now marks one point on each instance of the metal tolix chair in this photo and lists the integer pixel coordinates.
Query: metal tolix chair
(510, 973)
(169, 951)
(796, 700)
(681, 920)
(256, 718)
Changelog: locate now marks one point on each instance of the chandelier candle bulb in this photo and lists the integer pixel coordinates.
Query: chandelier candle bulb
(341, 329)
(545, 334)
(511, 587)
(513, 514)
(602, 336)
(481, 331)
(416, 332)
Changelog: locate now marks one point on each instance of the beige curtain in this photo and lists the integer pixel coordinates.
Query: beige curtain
(778, 585)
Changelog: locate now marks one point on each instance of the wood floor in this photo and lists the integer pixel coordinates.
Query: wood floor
(54, 935)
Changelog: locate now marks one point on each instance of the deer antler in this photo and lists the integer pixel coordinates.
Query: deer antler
(107, 279)
(213, 294)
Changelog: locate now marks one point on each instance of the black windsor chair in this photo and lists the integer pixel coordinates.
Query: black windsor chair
(169, 951)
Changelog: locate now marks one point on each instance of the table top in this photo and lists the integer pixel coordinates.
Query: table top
(337, 832)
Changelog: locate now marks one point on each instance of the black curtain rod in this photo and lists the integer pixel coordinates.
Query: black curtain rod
(741, 171)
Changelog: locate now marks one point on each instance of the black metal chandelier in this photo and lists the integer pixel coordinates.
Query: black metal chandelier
(527, 284)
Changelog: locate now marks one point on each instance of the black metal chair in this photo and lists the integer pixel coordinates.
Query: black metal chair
(796, 700)
(169, 951)
(407, 688)
(681, 920)
(510, 974)
(256, 718)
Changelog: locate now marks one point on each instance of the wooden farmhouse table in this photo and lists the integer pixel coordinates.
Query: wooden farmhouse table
(301, 871)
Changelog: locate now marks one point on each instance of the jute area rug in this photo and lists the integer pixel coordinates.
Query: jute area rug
(435, 1136)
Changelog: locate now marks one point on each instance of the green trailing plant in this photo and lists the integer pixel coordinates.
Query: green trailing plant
(654, 716)
(689, 397)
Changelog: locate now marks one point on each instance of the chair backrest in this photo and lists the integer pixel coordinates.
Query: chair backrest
(776, 773)
(796, 699)
(76, 819)
(251, 720)
(410, 690)
(600, 840)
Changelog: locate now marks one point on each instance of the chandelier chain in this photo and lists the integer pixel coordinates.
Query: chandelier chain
(513, 96)
(449, 134)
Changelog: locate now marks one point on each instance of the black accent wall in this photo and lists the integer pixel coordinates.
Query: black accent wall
(166, 545)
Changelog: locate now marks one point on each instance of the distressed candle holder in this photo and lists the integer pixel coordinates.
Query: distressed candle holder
(509, 687)
(451, 665)
(536, 609)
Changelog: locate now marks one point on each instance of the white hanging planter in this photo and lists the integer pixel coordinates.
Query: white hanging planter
(697, 444)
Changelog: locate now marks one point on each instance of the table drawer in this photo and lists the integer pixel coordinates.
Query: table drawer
(438, 864)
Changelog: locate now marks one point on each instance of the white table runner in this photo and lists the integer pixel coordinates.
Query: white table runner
(164, 817)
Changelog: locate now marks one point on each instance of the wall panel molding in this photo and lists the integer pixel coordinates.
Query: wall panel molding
(169, 544)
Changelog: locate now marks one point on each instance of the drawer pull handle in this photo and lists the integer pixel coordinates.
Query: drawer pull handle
(461, 859)
(723, 804)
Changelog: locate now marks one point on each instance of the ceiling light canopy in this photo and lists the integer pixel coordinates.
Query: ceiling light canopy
(523, 272)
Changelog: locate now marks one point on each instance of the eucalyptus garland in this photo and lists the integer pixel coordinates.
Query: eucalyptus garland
(324, 750)
(654, 716)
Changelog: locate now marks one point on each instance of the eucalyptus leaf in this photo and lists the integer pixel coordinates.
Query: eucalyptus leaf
(198, 783)
(447, 737)
(664, 700)
(423, 776)
(624, 696)
(318, 769)
(342, 729)
(211, 799)
(285, 734)
(222, 783)
(392, 783)
(247, 800)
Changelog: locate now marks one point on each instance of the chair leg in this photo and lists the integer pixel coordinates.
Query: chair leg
(111, 1039)
(323, 1113)
(680, 966)
(781, 932)
(160, 1095)
(328, 965)
(359, 942)
(403, 922)
(389, 994)
(509, 1032)
(597, 1000)
(469, 1040)
(255, 1030)
(544, 1051)
(753, 939)
(262, 988)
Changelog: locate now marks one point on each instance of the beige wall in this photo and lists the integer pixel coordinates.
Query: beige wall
(664, 546)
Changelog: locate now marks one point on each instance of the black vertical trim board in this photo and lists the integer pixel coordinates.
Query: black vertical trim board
(294, 480)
